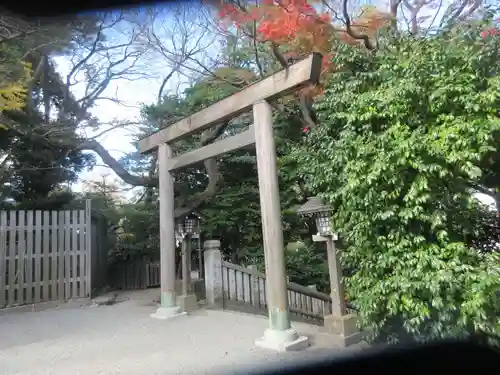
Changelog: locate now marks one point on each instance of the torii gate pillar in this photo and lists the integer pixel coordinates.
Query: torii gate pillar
(168, 305)
(280, 335)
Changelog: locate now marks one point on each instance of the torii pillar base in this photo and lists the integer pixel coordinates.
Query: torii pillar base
(282, 341)
(164, 313)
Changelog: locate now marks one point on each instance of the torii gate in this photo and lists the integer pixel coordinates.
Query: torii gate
(280, 335)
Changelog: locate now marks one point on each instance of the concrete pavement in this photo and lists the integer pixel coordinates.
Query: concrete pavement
(123, 339)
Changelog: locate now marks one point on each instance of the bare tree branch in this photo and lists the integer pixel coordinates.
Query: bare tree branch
(13, 27)
(353, 33)
(414, 10)
(393, 8)
(126, 176)
(437, 11)
(475, 5)
(174, 43)
(460, 10)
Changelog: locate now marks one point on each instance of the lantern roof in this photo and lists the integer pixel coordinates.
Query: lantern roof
(312, 206)
(197, 215)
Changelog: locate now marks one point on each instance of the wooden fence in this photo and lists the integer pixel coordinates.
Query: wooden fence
(47, 255)
(140, 275)
(145, 273)
(135, 275)
(245, 289)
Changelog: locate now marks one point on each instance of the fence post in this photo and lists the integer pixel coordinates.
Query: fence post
(3, 256)
(214, 287)
(254, 286)
(314, 302)
(88, 248)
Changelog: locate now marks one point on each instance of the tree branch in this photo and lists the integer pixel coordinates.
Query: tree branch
(215, 179)
(126, 176)
(351, 32)
(257, 59)
(414, 10)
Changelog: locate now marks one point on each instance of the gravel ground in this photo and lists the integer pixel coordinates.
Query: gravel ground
(123, 339)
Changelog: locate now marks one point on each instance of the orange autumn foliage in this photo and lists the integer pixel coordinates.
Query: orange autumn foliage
(298, 26)
(291, 23)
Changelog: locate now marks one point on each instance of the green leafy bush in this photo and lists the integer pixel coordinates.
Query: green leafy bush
(307, 266)
(402, 137)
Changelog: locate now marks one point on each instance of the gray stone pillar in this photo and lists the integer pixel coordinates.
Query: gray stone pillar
(168, 307)
(187, 300)
(200, 259)
(186, 265)
(336, 285)
(339, 322)
(280, 335)
(214, 288)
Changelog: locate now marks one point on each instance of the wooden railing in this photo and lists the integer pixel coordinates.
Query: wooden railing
(245, 289)
(308, 303)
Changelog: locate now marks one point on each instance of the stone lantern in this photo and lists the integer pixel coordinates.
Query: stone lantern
(315, 208)
(186, 229)
(192, 224)
(339, 322)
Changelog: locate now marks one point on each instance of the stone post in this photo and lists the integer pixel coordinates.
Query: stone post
(186, 265)
(187, 300)
(339, 322)
(168, 305)
(214, 288)
(336, 284)
(280, 335)
(200, 259)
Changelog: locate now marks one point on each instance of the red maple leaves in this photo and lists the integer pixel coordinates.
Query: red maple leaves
(294, 23)
(287, 19)
(302, 29)
(491, 31)
(298, 26)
